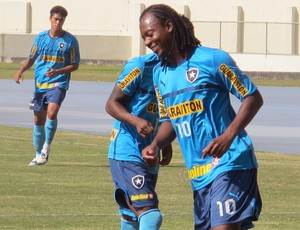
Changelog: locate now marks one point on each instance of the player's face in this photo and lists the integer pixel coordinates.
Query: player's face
(157, 37)
(57, 22)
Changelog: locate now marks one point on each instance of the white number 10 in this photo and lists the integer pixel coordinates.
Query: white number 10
(184, 129)
(230, 207)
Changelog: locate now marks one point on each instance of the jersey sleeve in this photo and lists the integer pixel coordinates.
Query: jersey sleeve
(74, 52)
(130, 77)
(34, 51)
(229, 76)
(162, 110)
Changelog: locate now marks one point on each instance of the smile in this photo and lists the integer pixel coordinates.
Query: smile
(153, 47)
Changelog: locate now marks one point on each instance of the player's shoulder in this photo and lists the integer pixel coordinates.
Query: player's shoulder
(150, 59)
(204, 50)
(43, 33)
(212, 55)
(143, 61)
(147, 59)
(68, 34)
(69, 37)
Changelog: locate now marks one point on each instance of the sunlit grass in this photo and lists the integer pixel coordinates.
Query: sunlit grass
(74, 189)
(109, 73)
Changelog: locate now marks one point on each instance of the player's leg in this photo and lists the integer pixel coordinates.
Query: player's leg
(202, 208)
(141, 197)
(54, 98)
(150, 219)
(235, 226)
(129, 223)
(38, 135)
(51, 124)
(39, 113)
(135, 194)
(128, 218)
(235, 200)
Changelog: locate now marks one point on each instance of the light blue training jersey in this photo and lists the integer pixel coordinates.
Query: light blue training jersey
(194, 96)
(136, 81)
(53, 53)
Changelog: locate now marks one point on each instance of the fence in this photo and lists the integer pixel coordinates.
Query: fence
(250, 37)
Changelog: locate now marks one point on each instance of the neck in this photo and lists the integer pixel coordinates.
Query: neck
(56, 33)
(176, 59)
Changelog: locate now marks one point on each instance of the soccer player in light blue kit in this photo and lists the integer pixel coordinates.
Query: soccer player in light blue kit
(193, 86)
(133, 104)
(56, 53)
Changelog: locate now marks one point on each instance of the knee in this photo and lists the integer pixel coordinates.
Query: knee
(150, 220)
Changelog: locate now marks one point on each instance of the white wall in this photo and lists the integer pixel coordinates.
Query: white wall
(117, 21)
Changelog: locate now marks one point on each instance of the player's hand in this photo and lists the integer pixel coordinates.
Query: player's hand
(51, 72)
(143, 127)
(19, 77)
(150, 155)
(217, 147)
(167, 153)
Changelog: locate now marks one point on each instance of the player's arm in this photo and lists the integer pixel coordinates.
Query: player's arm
(163, 138)
(19, 77)
(115, 107)
(167, 153)
(67, 69)
(248, 109)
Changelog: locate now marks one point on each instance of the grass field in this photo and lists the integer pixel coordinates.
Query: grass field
(109, 73)
(74, 189)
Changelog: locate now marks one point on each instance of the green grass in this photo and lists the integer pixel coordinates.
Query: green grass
(74, 189)
(106, 73)
(109, 73)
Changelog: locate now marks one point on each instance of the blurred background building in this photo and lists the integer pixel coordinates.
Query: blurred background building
(262, 36)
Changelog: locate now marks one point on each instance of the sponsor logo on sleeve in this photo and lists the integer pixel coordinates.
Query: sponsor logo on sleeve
(33, 51)
(129, 78)
(152, 108)
(113, 134)
(233, 79)
(72, 54)
(161, 106)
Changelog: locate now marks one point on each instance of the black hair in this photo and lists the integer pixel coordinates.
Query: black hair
(59, 10)
(184, 36)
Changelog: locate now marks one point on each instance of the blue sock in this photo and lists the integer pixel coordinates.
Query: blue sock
(150, 220)
(51, 126)
(129, 225)
(38, 137)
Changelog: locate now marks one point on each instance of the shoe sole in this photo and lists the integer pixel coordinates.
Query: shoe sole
(41, 162)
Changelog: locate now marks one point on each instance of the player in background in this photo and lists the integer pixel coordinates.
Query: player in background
(133, 104)
(56, 53)
(193, 86)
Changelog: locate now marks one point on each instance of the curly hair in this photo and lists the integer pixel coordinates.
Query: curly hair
(184, 36)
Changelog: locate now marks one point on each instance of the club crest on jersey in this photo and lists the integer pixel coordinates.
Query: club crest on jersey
(62, 45)
(138, 181)
(192, 74)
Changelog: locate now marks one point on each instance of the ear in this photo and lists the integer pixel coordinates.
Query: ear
(169, 25)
